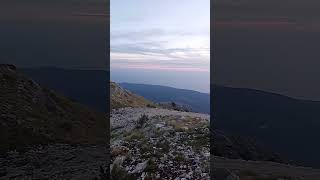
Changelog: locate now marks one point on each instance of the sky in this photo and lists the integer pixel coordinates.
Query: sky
(269, 45)
(163, 42)
(68, 34)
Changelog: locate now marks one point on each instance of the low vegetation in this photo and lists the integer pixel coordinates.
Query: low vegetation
(159, 147)
(142, 121)
(121, 98)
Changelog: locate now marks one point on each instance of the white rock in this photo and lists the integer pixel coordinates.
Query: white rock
(140, 167)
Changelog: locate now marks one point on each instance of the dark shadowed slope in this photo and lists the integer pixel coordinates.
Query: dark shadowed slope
(288, 126)
(31, 115)
(199, 102)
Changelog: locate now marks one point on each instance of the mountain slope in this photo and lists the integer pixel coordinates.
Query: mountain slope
(32, 115)
(120, 98)
(199, 102)
(282, 123)
(88, 87)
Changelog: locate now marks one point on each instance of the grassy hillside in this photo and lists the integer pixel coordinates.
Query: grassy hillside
(121, 97)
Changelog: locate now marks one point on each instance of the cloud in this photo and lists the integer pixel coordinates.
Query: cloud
(156, 48)
(149, 34)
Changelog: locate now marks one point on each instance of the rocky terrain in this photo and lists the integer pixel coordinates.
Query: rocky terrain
(56, 162)
(244, 158)
(153, 143)
(237, 169)
(31, 114)
(44, 135)
(241, 147)
(175, 106)
(163, 143)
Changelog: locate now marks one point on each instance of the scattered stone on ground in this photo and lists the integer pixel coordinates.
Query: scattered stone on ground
(56, 162)
(152, 143)
(237, 169)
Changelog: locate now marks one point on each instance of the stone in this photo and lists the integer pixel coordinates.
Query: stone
(140, 167)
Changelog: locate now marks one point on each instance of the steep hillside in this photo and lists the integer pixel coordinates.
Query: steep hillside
(284, 124)
(32, 115)
(198, 102)
(121, 98)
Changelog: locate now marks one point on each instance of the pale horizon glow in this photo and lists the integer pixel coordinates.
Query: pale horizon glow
(165, 36)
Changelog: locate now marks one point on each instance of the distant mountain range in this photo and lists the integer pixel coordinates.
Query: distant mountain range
(89, 87)
(199, 102)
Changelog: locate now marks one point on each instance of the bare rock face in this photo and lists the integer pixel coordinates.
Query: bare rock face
(121, 98)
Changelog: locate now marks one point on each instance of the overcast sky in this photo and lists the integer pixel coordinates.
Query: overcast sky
(60, 33)
(163, 37)
(270, 45)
